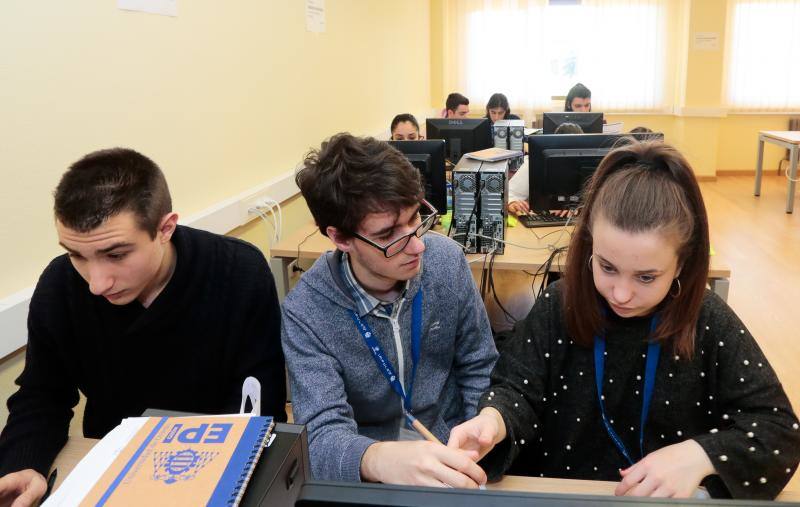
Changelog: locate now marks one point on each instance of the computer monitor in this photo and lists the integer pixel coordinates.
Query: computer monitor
(347, 494)
(428, 157)
(463, 135)
(561, 164)
(591, 123)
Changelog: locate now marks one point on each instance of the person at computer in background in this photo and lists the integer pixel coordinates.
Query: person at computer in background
(386, 283)
(139, 313)
(405, 127)
(518, 185)
(633, 311)
(579, 99)
(456, 106)
(498, 109)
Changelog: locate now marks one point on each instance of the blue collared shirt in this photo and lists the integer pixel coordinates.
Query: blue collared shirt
(366, 302)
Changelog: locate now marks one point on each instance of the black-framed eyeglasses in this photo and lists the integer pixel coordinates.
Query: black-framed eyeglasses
(395, 247)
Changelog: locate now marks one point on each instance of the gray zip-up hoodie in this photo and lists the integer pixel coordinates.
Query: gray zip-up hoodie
(338, 390)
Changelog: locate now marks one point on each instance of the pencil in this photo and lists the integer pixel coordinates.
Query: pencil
(422, 430)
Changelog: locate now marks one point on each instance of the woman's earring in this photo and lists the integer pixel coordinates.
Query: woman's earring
(679, 289)
(590, 262)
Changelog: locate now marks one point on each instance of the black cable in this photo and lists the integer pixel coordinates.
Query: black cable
(483, 278)
(545, 269)
(474, 207)
(299, 245)
(510, 318)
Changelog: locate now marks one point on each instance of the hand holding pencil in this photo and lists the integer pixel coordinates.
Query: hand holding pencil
(421, 462)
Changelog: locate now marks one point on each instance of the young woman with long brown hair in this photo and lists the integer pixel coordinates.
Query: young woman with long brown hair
(628, 368)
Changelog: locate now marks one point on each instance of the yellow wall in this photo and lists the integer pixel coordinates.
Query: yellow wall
(223, 97)
(705, 68)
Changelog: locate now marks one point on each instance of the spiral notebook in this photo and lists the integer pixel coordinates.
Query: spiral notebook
(204, 460)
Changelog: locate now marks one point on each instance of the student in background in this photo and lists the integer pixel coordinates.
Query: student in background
(629, 368)
(579, 99)
(456, 106)
(389, 294)
(641, 130)
(405, 127)
(518, 185)
(139, 313)
(498, 109)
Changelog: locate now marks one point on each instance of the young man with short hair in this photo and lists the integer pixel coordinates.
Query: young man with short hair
(386, 328)
(456, 106)
(140, 313)
(579, 99)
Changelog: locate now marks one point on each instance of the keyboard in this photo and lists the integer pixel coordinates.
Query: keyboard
(542, 219)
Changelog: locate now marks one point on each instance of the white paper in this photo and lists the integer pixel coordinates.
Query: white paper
(613, 128)
(315, 16)
(164, 7)
(89, 470)
(706, 41)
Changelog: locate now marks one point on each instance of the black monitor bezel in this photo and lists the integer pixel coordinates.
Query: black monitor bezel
(538, 198)
(435, 149)
(590, 122)
(479, 130)
(346, 494)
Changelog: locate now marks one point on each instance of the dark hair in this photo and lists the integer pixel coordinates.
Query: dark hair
(402, 118)
(107, 182)
(638, 187)
(568, 128)
(498, 100)
(577, 91)
(641, 130)
(454, 100)
(350, 177)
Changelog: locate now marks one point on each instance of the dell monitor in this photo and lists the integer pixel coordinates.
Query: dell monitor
(463, 135)
(590, 123)
(428, 157)
(560, 166)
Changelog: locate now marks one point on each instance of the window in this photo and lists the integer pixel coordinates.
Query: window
(534, 50)
(762, 52)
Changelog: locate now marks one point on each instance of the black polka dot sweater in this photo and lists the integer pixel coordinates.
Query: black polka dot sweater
(726, 397)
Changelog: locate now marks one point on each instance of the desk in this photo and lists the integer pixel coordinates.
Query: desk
(516, 256)
(77, 447)
(791, 141)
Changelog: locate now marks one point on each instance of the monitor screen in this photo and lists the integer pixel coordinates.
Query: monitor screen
(591, 123)
(560, 166)
(463, 135)
(428, 157)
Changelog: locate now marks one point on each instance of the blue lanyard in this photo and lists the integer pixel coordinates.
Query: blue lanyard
(383, 362)
(653, 351)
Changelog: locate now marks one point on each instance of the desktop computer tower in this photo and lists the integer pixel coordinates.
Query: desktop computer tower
(500, 133)
(516, 134)
(479, 212)
(509, 134)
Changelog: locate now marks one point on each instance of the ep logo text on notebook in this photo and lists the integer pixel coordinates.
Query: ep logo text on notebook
(185, 461)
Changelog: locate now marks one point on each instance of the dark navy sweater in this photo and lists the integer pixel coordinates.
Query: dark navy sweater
(726, 397)
(216, 322)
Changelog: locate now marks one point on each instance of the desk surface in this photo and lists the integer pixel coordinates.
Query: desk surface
(527, 248)
(788, 136)
(77, 447)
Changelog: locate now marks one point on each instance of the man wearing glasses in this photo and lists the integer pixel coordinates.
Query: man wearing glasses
(387, 328)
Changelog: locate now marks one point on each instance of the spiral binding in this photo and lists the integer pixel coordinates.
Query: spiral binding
(255, 454)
